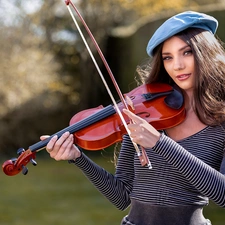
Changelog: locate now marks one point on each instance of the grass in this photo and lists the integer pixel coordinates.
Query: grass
(58, 193)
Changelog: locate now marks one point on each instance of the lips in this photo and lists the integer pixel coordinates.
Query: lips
(183, 76)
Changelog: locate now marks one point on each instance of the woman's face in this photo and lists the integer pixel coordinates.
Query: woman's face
(179, 63)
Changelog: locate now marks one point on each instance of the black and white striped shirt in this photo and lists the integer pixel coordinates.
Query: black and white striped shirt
(187, 172)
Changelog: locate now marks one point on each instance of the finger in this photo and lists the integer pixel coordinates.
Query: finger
(51, 143)
(68, 142)
(133, 126)
(132, 116)
(65, 150)
(57, 144)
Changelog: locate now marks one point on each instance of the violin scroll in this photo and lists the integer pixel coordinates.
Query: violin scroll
(16, 165)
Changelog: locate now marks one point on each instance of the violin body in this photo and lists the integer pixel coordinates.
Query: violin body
(110, 130)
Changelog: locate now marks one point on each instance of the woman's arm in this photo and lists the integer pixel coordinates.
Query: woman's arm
(116, 188)
(206, 179)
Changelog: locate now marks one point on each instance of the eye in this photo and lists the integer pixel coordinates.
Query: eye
(188, 52)
(166, 58)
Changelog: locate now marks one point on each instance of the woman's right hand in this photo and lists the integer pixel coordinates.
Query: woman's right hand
(62, 148)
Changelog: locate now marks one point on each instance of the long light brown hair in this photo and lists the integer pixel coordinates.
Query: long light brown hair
(209, 91)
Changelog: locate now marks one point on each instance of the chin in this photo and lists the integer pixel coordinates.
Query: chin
(186, 86)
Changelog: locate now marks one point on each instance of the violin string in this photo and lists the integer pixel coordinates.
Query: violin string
(103, 113)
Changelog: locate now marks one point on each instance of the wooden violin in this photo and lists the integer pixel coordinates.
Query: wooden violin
(97, 128)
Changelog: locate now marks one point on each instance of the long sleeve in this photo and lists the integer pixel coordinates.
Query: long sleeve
(206, 179)
(187, 172)
(116, 188)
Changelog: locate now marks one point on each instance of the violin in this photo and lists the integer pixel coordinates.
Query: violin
(97, 128)
(159, 104)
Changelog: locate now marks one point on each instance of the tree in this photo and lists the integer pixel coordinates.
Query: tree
(47, 74)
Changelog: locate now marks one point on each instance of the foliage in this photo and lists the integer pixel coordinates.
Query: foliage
(33, 57)
(126, 12)
(46, 70)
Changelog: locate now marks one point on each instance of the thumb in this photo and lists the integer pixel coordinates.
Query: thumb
(43, 137)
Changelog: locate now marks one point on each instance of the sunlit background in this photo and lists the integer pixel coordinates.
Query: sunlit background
(47, 76)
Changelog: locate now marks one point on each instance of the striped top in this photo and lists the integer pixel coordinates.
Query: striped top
(187, 172)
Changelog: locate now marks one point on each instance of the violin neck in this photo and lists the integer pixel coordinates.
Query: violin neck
(96, 117)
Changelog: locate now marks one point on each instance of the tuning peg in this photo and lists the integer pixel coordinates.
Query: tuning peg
(20, 151)
(24, 170)
(13, 160)
(34, 163)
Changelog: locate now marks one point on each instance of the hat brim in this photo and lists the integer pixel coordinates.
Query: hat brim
(178, 23)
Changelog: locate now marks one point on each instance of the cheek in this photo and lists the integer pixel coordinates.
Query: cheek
(193, 65)
(168, 68)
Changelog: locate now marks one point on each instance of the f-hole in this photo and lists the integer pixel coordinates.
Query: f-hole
(143, 114)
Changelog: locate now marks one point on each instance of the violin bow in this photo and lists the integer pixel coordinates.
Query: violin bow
(141, 154)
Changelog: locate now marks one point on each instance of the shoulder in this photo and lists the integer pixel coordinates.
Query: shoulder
(218, 130)
(223, 124)
(217, 133)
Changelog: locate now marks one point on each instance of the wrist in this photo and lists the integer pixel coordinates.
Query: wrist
(76, 156)
(159, 140)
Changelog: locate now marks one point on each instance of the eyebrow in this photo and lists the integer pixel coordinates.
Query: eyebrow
(181, 49)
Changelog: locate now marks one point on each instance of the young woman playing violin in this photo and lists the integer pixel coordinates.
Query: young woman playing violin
(188, 160)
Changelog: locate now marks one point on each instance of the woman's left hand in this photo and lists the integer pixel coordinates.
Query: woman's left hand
(141, 131)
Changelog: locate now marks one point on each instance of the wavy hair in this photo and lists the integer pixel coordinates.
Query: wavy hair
(209, 91)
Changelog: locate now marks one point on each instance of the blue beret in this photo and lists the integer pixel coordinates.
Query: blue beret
(179, 23)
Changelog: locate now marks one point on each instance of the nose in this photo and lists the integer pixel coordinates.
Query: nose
(178, 63)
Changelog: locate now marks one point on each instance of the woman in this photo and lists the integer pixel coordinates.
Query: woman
(188, 159)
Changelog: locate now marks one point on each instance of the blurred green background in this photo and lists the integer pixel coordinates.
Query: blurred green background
(47, 76)
(58, 193)
(55, 193)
